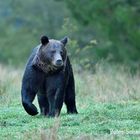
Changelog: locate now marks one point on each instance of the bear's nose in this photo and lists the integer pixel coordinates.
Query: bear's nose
(59, 62)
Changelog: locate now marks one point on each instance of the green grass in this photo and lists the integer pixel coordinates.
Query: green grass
(108, 104)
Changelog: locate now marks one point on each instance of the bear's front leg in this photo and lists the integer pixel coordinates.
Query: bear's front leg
(31, 83)
(55, 98)
(43, 104)
(28, 96)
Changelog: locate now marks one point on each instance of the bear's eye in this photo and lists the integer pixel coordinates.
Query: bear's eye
(61, 52)
(53, 52)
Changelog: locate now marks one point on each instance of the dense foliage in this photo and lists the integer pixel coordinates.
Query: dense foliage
(115, 24)
(23, 23)
(97, 29)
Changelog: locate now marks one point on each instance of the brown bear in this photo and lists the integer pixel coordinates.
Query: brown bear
(49, 75)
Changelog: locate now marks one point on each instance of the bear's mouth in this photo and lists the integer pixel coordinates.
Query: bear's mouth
(57, 65)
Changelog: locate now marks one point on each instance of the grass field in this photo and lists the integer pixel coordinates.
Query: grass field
(108, 103)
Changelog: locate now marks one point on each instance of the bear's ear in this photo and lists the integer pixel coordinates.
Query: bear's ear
(64, 40)
(44, 40)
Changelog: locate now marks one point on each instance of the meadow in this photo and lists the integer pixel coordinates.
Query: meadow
(108, 103)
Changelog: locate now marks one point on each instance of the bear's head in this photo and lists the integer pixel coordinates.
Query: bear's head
(51, 54)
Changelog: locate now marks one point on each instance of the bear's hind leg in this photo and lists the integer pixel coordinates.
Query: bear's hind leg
(70, 101)
(70, 96)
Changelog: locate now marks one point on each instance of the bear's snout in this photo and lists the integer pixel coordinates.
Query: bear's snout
(59, 62)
